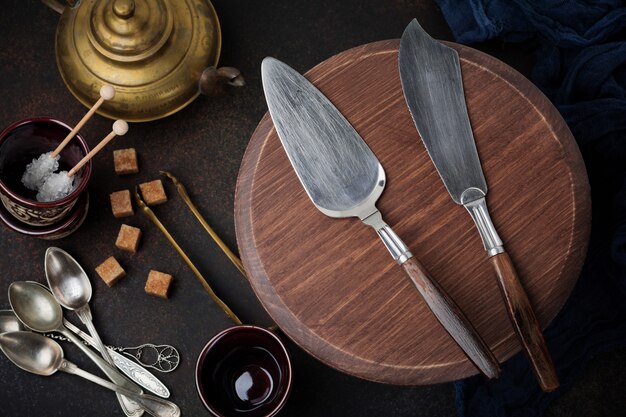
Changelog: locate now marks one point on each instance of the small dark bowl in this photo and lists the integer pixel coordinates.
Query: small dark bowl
(65, 227)
(24, 141)
(244, 371)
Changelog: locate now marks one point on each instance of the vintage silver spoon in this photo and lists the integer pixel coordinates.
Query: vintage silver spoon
(164, 358)
(71, 287)
(38, 310)
(10, 323)
(42, 356)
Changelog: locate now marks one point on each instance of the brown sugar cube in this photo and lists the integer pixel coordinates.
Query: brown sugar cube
(125, 161)
(158, 284)
(121, 204)
(153, 192)
(110, 271)
(128, 238)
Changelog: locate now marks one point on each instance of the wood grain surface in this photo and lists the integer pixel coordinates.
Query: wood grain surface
(331, 285)
(525, 322)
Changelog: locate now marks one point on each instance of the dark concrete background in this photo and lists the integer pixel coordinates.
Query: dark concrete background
(204, 145)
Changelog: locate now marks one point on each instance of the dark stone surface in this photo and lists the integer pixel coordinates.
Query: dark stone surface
(203, 145)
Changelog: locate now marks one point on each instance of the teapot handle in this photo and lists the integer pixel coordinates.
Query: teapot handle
(59, 7)
(213, 81)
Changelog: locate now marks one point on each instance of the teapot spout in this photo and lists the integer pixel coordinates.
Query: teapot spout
(214, 81)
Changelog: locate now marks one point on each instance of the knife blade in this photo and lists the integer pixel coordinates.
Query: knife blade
(343, 178)
(430, 74)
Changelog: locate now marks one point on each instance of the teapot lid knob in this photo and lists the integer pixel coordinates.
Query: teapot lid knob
(124, 8)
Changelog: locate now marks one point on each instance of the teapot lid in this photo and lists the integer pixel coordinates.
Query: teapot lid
(151, 51)
(122, 31)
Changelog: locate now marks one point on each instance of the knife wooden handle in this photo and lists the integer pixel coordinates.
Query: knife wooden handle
(525, 322)
(452, 319)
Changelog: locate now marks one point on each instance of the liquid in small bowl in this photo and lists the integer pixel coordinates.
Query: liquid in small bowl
(244, 371)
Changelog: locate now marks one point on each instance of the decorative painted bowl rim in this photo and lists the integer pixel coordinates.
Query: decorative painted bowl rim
(86, 170)
(243, 328)
(75, 215)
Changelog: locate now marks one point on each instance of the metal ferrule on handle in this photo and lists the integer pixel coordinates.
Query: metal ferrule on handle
(518, 305)
(491, 240)
(441, 304)
(393, 243)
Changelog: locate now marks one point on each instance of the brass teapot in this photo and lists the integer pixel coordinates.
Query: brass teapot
(158, 54)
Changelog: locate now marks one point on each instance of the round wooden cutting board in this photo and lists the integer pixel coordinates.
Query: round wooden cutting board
(331, 285)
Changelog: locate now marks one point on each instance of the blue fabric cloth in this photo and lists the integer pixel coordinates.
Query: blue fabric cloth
(580, 65)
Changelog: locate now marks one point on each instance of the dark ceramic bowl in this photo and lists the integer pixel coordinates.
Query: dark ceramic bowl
(244, 371)
(24, 141)
(65, 227)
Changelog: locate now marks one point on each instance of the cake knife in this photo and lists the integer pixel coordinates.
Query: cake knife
(430, 74)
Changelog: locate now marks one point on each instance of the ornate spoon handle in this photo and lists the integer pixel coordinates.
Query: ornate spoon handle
(153, 405)
(135, 372)
(139, 374)
(167, 353)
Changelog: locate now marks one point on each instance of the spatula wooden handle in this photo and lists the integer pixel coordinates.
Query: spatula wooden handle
(525, 322)
(452, 319)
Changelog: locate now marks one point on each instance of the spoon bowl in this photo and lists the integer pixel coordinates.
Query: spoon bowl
(35, 307)
(42, 356)
(39, 311)
(67, 279)
(9, 323)
(32, 352)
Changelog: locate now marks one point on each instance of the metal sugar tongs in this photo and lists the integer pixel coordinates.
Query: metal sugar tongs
(166, 358)
(150, 214)
(182, 191)
(233, 258)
